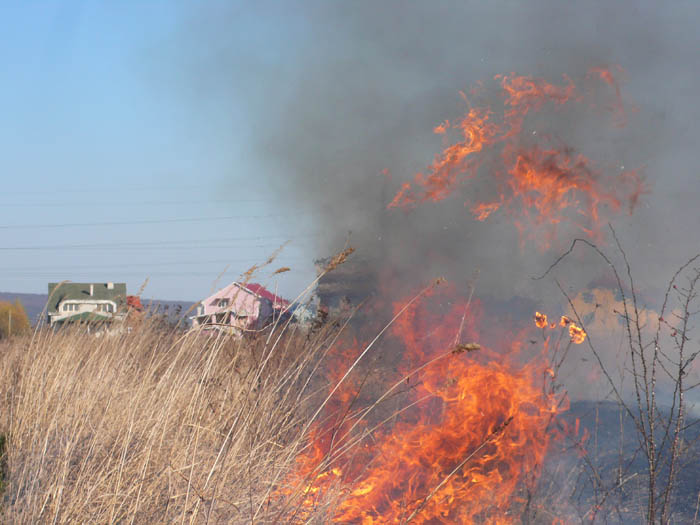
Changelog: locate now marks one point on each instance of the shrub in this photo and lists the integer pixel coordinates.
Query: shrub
(13, 319)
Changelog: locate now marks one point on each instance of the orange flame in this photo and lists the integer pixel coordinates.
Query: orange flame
(617, 107)
(540, 320)
(576, 333)
(541, 186)
(474, 427)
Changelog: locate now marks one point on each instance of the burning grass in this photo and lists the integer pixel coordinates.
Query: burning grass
(421, 424)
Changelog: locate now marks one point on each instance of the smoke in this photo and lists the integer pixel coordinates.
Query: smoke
(340, 92)
(339, 101)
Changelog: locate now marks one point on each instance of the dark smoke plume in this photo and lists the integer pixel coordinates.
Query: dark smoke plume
(338, 92)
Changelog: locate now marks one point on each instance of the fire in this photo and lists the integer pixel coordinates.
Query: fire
(540, 320)
(474, 426)
(576, 333)
(617, 107)
(540, 184)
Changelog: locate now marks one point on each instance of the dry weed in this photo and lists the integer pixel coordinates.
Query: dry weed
(152, 426)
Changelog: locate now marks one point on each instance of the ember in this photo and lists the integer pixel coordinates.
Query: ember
(576, 333)
(540, 320)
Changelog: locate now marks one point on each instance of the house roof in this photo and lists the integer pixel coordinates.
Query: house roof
(260, 290)
(59, 292)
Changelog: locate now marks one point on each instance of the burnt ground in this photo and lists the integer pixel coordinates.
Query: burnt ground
(613, 469)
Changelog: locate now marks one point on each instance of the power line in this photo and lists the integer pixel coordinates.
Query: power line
(212, 273)
(160, 188)
(157, 244)
(140, 222)
(29, 269)
(124, 204)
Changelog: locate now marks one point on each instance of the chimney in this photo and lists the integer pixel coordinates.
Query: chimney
(92, 290)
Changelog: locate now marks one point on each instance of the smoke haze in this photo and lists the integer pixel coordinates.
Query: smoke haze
(339, 92)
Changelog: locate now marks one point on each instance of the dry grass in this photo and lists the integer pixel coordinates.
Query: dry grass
(154, 426)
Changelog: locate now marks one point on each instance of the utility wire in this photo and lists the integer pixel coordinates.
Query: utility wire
(125, 223)
(15, 204)
(29, 269)
(160, 188)
(212, 273)
(157, 244)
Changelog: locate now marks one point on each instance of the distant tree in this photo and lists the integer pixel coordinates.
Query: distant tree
(13, 319)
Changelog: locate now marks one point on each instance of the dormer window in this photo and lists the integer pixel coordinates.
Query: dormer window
(223, 302)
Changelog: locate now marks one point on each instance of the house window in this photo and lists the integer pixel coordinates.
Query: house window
(223, 302)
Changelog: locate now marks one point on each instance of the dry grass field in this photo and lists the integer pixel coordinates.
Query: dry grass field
(154, 426)
(320, 424)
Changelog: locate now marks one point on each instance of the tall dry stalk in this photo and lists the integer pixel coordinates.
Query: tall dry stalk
(152, 426)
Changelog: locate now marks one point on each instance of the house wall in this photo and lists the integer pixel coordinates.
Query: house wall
(241, 301)
(243, 306)
(84, 306)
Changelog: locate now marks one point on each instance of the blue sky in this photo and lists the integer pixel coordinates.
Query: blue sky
(175, 140)
(101, 128)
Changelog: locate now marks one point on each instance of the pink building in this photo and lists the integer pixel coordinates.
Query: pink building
(240, 308)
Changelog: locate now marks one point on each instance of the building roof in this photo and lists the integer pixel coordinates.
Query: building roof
(59, 292)
(260, 290)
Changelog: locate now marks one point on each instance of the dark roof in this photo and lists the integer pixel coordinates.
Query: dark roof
(260, 290)
(81, 291)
